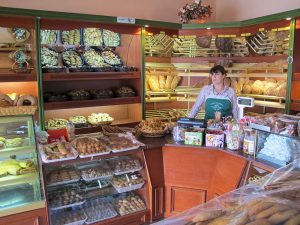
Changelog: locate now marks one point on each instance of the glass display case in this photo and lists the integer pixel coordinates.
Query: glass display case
(277, 148)
(20, 182)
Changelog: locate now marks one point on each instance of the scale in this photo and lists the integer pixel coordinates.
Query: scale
(242, 103)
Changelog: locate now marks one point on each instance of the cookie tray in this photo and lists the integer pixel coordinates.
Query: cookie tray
(129, 188)
(63, 182)
(67, 206)
(96, 178)
(124, 214)
(45, 160)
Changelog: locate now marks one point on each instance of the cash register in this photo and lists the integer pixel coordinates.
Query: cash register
(186, 122)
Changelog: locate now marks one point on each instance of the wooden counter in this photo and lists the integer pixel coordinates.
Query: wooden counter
(183, 176)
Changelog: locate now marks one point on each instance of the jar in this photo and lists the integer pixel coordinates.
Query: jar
(233, 137)
(249, 141)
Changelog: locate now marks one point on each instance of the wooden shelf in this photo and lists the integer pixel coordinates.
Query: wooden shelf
(91, 76)
(249, 59)
(17, 77)
(295, 106)
(91, 103)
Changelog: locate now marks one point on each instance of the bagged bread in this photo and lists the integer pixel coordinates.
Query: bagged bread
(154, 84)
(175, 82)
(169, 82)
(162, 82)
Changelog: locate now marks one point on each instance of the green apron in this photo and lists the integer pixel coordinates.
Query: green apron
(213, 105)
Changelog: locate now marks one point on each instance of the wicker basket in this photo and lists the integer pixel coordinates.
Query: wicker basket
(17, 110)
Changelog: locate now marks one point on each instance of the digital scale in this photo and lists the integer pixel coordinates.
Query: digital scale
(242, 103)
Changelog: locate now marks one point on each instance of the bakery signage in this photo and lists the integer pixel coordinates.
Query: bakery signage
(126, 20)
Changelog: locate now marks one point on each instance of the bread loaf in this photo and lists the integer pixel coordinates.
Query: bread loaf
(162, 82)
(175, 82)
(154, 83)
(280, 217)
(258, 87)
(5, 101)
(27, 100)
(270, 88)
(169, 82)
(281, 90)
(295, 220)
(207, 215)
(147, 86)
(247, 89)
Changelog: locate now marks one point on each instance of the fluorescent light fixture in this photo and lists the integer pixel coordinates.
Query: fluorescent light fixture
(208, 28)
(289, 18)
(146, 25)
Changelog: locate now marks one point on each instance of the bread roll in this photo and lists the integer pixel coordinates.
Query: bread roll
(247, 88)
(154, 84)
(270, 88)
(175, 82)
(162, 82)
(5, 101)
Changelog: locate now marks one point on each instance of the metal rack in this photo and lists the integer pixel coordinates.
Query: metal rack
(159, 45)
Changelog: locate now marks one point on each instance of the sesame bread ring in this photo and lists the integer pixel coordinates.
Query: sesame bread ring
(5, 100)
(29, 100)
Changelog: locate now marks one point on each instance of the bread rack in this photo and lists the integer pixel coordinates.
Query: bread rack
(159, 45)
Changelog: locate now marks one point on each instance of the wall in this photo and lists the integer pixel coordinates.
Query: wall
(163, 10)
(237, 10)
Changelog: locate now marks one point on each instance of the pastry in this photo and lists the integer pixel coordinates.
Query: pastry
(72, 58)
(49, 57)
(71, 37)
(54, 124)
(98, 118)
(110, 38)
(79, 94)
(89, 146)
(111, 58)
(48, 37)
(27, 100)
(125, 92)
(94, 58)
(92, 37)
(129, 204)
(58, 150)
(5, 101)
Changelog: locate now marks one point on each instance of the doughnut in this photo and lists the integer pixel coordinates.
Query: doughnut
(27, 100)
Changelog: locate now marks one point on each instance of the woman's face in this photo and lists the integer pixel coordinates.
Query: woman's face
(217, 78)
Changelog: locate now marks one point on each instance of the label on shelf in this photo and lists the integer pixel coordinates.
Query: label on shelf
(275, 29)
(261, 29)
(126, 20)
(283, 28)
(245, 34)
(227, 35)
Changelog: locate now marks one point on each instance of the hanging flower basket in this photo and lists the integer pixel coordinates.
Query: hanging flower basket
(194, 12)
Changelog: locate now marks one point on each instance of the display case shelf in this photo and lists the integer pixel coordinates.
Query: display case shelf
(91, 103)
(90, 76)
(13, 151)
(18, 179)
(17, 77)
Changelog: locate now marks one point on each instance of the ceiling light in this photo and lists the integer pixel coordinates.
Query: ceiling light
(289, 18)
(208, 28)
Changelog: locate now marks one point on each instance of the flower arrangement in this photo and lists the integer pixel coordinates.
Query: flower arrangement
(194, 11)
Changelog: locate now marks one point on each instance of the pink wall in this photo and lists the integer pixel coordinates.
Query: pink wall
(237, 10)
(163, 10)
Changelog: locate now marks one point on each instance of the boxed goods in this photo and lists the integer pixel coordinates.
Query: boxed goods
(214, 138)
(193, 136)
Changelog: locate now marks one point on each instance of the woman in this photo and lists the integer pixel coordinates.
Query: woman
(216, 97)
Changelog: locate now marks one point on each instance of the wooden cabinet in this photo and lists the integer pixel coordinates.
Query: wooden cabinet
(154, 160)
(34, 217)
(194, 175)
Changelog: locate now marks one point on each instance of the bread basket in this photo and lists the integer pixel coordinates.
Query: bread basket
(17, 110)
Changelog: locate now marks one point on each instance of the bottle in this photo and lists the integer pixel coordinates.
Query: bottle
(70, 131)
(249, 142)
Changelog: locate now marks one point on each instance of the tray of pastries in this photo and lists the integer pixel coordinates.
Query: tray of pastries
(97, 119)
(48, 37)
(78, 121)
(120, 143)
(72, 216)
(57, 151)
(62, 175)
(125, 164)
(130, 203)
(95, 184)
(89, 147)
(102, 93)
(99, 209)
(79, 94)
(64, 198)
(110, 38)
(72, 58)
(49, 57)
(111, 58)
(71, 37)
(94, 58)
(127, 182)
(125, 92)
(94, 171)
(56, 123)
(92, 37)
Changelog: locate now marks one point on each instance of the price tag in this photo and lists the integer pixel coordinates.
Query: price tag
(126, 20)
(245, 34)
(162, 32)
(275, 29)
(261, 29)
(99, 183)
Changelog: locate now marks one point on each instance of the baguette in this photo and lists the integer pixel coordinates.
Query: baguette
(207, 215)
(259, 207)
(169, 82)
(154, 84)
(162, 82)
(295, 220)
(175, 82)
(270, 211)
(280, 217)
(259, 222)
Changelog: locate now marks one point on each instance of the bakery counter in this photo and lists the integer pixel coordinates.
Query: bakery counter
(182, 176)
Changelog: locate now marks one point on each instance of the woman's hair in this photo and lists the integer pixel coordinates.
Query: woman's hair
(217, 69)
